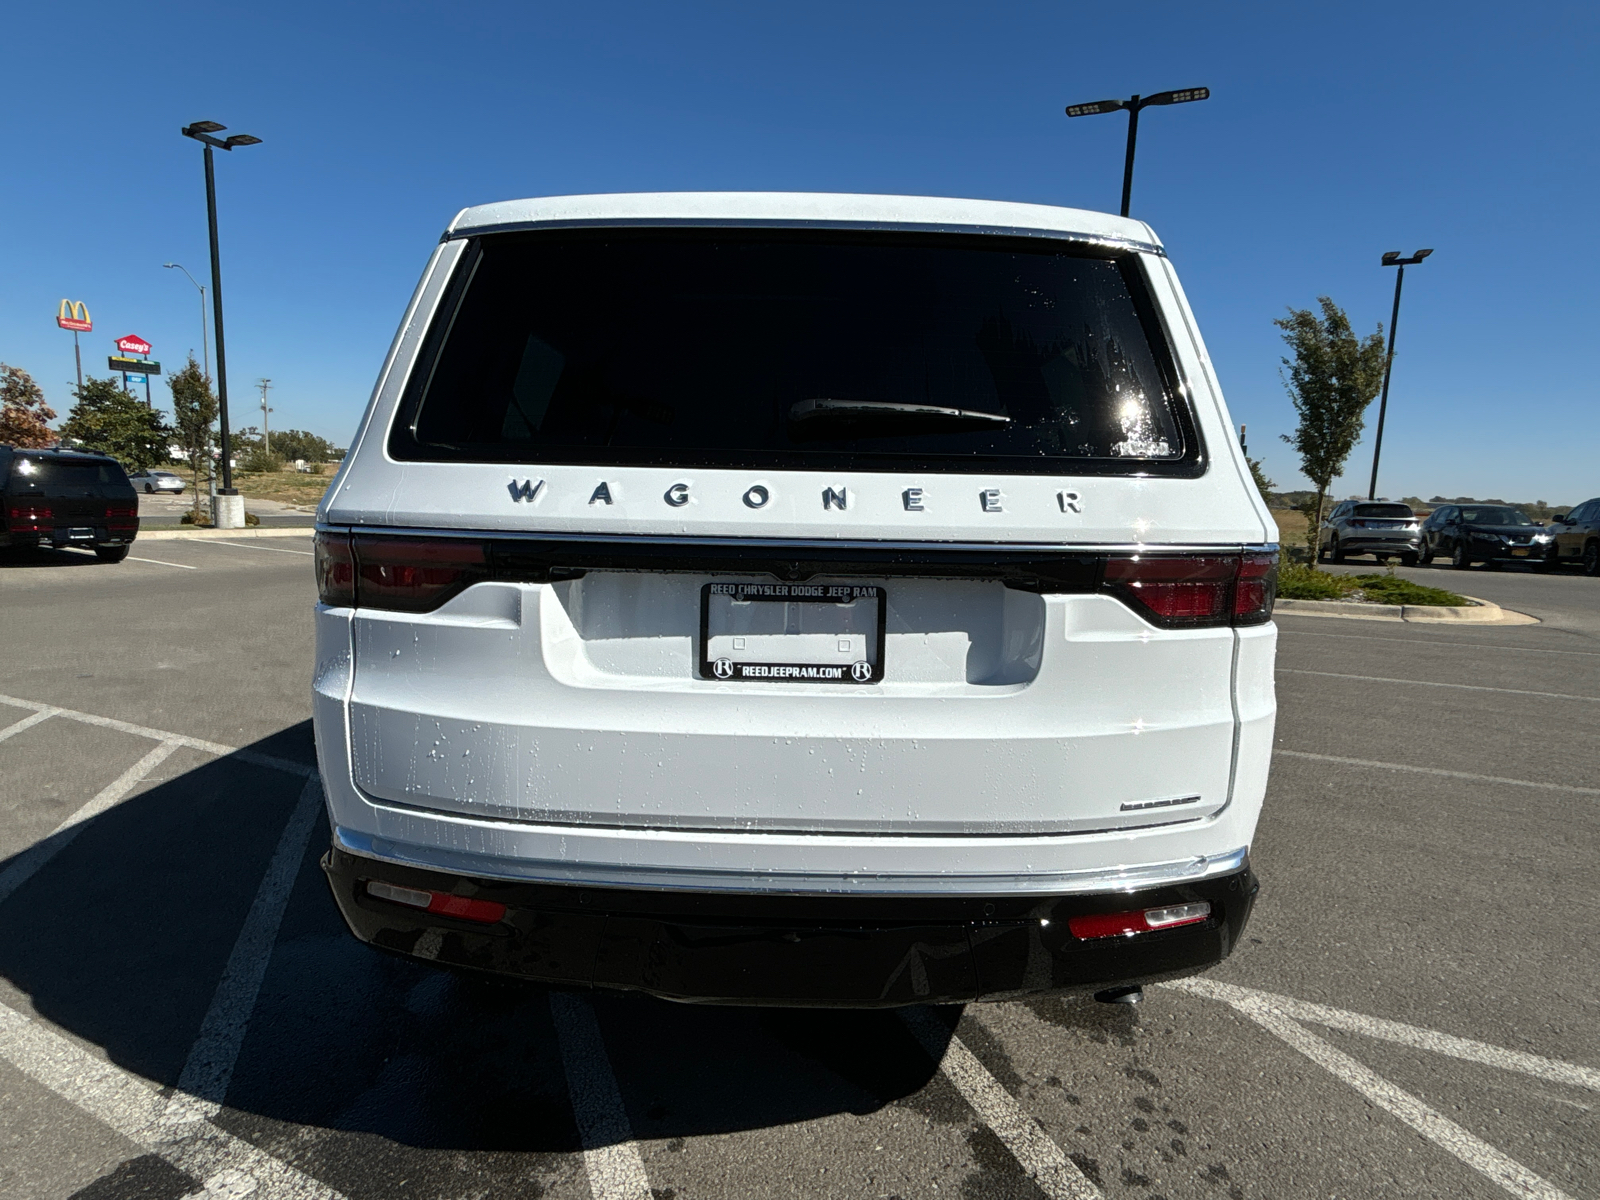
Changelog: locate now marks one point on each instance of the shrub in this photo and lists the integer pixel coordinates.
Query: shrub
(1391, 589)
(1301, 581)
(1297, 581)
(257, 459)
(193, 517)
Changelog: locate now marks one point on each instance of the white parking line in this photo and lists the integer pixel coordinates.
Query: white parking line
(610, 1156)
(209, 1067)
(161, 562)
(1466, 687)
(1056, 1174)
(162, 735)
(1484, 645)
(1437, 1128)
(28, 722)
(25, 865)
(1389, 766)
(133, 1108)
(242, 546)
(1551, 1069)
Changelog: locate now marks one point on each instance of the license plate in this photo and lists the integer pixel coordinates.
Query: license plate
(80, 533)
(792, 632)
(1519, 554)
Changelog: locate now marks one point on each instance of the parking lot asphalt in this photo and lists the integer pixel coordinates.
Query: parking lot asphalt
(1412, 1013)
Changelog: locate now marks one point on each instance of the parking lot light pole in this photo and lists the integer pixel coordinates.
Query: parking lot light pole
(205, 351)
(1133, 105)
(201, 132)
(1391, 258)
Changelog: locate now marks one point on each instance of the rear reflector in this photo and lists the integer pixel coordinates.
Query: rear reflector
(1125, 924)
(1189, 591)
(485, 911)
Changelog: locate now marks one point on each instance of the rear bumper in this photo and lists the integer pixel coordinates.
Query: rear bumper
(823, 950)
(1380, 545)
(99, 535)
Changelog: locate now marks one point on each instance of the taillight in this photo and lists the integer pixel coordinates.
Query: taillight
(405, 574)
(1255, 589)
(414, 574)
(1190, 591)
(1125, 924)
(336, 571)
(29, 518)
(122, 516)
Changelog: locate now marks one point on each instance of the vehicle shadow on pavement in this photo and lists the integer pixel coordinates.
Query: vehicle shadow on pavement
(122, 937)
(12, 558)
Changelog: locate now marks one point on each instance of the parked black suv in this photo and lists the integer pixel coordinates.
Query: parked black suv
(1575, 538)
(1491, 533)
(66, 498)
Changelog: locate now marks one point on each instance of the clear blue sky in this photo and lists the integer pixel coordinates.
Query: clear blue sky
(1333, 133)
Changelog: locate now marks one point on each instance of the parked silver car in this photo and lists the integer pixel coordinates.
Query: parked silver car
(156, 481)
(1380, 529)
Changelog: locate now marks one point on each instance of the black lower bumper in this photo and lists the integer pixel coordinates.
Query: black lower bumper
(62, 538)
(846, 951)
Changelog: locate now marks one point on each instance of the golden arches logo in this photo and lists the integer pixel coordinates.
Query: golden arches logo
(74, 315)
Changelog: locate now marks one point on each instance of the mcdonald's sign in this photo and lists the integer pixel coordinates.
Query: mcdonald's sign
(74, 315)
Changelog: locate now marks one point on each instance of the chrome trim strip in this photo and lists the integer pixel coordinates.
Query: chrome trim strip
(1084, 239)
(1125, 878)
(804, 544)
(581, 822)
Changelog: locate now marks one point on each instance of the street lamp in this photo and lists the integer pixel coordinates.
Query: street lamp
(205, 352)
(201, 132)
(1391, 258)
(1133, 105)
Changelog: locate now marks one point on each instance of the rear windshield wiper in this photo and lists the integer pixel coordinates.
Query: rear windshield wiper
(812, 416)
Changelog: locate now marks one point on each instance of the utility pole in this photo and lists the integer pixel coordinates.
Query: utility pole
(266, 430)
(1391, 258)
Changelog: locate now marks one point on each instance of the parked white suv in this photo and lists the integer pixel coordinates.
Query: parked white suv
(788, 598)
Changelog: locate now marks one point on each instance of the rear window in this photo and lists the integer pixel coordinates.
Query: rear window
(1402, 511)
(761, 349)
(46, 473)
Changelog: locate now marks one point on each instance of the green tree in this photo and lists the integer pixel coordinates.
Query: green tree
(194, 409)
(108, 419)
(1263, 484)
(290, 444)
(1332, 377)
(24, 416)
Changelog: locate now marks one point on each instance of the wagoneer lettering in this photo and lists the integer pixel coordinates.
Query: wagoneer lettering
(811, 660)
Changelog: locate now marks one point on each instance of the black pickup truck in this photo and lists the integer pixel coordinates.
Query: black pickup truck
(56, 498)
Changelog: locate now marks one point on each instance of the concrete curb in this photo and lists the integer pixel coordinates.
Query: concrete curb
(204, 534)
(1480, 612)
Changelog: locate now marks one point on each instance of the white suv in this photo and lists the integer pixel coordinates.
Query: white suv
(796, 599)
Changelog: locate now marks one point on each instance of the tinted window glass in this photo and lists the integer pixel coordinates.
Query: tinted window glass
(1493, 515)
(736, 348)
(1402, 511)
(45, 473)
